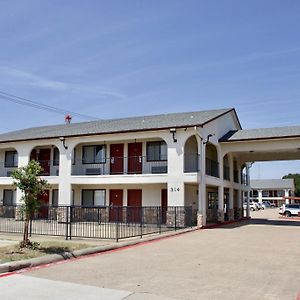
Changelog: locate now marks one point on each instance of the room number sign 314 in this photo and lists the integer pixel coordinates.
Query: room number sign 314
(174, 189)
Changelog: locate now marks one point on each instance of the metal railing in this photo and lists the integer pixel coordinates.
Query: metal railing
(107, 222)
(244, 178)
(212, 168)
(191, 162)
(226, 172)
(5, 169)
(236, 176)
(121, 165)
(49, 168)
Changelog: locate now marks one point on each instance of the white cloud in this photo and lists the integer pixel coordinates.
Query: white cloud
(19, 77)
(23, 77)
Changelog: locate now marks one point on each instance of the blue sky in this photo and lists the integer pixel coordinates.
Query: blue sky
(114, 59)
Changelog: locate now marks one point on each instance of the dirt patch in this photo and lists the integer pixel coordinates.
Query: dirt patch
(14, 252)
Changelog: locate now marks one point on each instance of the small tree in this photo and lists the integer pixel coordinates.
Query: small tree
(28, 181)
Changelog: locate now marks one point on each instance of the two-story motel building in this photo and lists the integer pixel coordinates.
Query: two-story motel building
(163, 160)
(197, 159)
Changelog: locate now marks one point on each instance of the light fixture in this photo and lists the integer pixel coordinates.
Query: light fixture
(63, 140)
(173, 131)
(207, 138)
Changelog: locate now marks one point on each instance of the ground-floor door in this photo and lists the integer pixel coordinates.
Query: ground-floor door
(134, 206)
(164, 205)
(115, 203)
(44, 205)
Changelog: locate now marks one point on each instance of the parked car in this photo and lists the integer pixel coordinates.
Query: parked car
(289, 210)
(252, 206)
(259, 205)
(268, 204)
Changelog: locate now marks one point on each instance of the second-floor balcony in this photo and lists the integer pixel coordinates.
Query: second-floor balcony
(119, 166)
(226, 173)
(212, 167)
(50, 168)
(191, 162)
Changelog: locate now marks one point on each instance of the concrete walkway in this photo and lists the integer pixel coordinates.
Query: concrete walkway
(257, 260)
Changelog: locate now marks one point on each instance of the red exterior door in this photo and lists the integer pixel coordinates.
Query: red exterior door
(115, 200)
(135, 158)
(117, 159)
(164, 205)
(44, 160)
(43, 157)
(134, 204)
(44, 202)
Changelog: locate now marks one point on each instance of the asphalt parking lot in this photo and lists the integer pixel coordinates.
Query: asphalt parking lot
(257, 259)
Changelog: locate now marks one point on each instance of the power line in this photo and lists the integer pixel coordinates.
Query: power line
(34, 104)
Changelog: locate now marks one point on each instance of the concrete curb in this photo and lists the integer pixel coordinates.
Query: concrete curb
(48, 259)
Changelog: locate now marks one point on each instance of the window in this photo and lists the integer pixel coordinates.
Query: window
(8, 197)
(212, 200)
(280, 193)
(11, 159)
(94, 154)
(92, 198)
(55, 157)
(73, 157)
(156, 151)
(55, 198)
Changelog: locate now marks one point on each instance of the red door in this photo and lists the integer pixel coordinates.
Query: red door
(44, 205)
(116, 159)
(135, 158)
(44, 160)
(115, 201)
(164, 205)
(134, 204)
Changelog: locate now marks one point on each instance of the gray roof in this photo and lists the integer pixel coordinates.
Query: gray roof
(261, 134)
(175, 120)
(272, 184)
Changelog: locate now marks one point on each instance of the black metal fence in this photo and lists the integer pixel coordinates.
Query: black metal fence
(109, 222)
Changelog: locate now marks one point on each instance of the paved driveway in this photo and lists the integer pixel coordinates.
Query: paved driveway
(259, 259)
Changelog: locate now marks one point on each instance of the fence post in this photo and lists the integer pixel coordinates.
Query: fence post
(67, 222)
(175, 218)
(30, 227)
(71, 220)
(117, 224)
(159, 218)
(142, 210)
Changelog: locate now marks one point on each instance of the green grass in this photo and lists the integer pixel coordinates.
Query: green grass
(14, 252)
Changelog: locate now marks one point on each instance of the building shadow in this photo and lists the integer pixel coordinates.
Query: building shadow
(259, 221)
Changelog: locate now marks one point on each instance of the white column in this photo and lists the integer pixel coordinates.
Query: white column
(240, 198)
(259, 196)
(231, 173)
(23, 160)
(202, 185)
(248, 192)
(287, 194)
(221, 188)
(65, 166)
(175, 172)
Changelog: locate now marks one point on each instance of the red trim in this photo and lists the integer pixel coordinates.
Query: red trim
(225, 223)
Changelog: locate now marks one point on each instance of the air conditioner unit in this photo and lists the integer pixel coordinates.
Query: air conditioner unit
(93, 171)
